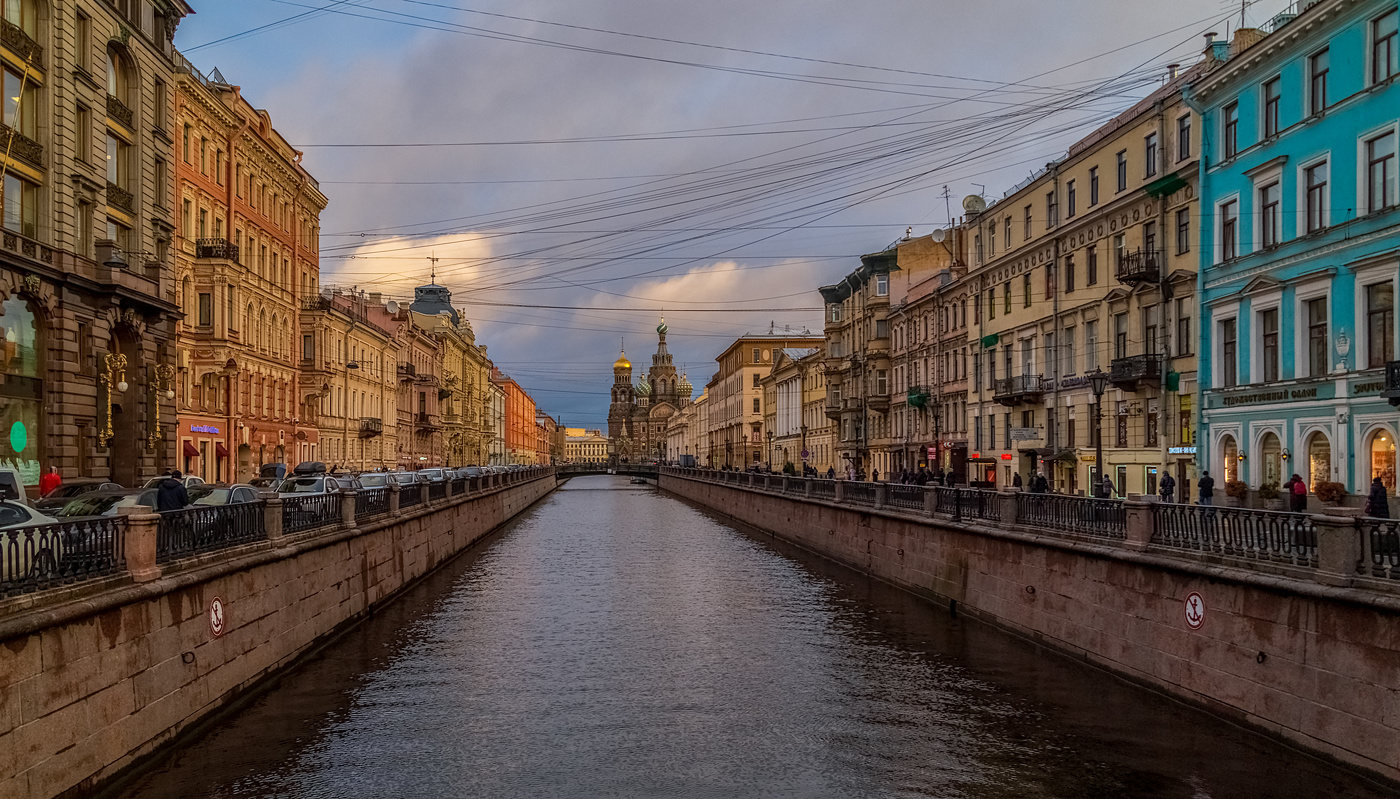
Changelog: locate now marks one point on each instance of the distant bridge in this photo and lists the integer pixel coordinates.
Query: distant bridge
(631, 469)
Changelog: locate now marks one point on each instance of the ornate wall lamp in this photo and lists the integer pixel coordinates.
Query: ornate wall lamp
(114, 380)
(162, 382)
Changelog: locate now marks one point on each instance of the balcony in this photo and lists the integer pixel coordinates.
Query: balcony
(833, 408)
(216, 248)
(370, 427)
(425, 422)
(425, 379)
(878, 402)
(120, 198)
(1128, 373)
(918, 396)
(117, 110)
(14, 37)
(1019, 389)
(1140, 266)
(21, 146)
(1392, 383)
(407, 372)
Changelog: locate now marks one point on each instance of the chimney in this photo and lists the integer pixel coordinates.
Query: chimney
(1245, 38)
(1171, 71)
(1216, 51)
(375, 298)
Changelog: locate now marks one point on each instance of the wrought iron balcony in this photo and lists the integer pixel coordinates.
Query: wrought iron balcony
(1127, 373)
(1392, 383)
(215, 248)
(407, 372)
(1140, 266)
(425, 422)
(117, 110)
(21, 146)
(14, 37)
(918, 396)
(371, 427)
(1019, 389)
(120, 198)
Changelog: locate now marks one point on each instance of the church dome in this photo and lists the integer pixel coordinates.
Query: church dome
(685, 387)
(622, 362)
(643, 388)
(661, 328)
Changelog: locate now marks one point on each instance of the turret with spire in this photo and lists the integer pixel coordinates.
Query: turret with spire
(661, 377)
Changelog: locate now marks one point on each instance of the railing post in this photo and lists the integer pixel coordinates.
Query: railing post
(140, 542)
(930, 500)
(840, 492)
(272, 514)
(881, 495)
(1338, 548)
(393, 497)
(422, 489)
(807, 487)
(347, 509)
(1140, 522)
(1010, 510)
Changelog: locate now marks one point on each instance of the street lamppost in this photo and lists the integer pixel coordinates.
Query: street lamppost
(770, 450)
(1098, 381)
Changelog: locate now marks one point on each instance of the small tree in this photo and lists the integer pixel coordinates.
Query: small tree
(1236, 489)
(788, 468)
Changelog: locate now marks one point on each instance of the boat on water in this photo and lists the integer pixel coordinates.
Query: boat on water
(638, 481)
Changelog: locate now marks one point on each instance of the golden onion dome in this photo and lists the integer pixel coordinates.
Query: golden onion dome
(622, 362)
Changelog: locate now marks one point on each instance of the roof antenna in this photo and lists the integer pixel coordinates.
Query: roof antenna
(432, 275)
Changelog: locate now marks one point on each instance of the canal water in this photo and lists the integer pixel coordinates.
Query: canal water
(616, 642)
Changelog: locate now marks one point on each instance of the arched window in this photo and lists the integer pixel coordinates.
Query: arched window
(22, 15)
(20, 366)
(262, 331)
(1271, 456)
(118, 77)
(1231, 453)
(1319, 459)
(1383, 459)
(275, 333)
(187, 298)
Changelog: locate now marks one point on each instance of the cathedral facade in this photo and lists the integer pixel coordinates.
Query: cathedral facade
(638, 413)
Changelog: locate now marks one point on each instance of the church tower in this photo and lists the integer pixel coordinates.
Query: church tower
(620, 411)
(662, 374)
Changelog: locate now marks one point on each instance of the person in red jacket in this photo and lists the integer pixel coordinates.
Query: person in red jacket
(49, 482)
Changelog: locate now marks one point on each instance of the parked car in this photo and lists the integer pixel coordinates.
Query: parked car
(100, 504)
(266, 483)
(189, 480)
(24, 556)
(374, 479)
(70, 489)
(236, 494)
(468, 472)
(433, 474)
(12, 486)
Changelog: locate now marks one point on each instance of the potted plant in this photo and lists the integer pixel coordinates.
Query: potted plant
(1273, 499)
(1329, 493)
(1235, 491)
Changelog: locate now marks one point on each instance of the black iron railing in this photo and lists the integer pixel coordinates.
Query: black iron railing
(1099, 517)
(1380, 547)
(1140, 266)
(823, 489)
(371, 502)
(1289, 538)
(1012, 390)
(459, 486)
(410, 495)
(206, 528)
(967, 503)
(119, 111)
(858, 493)
(1134, 368)
(437, 491)
(215, 248)
(310, 512)
(371, 427)
(32, 558)
(905, 496)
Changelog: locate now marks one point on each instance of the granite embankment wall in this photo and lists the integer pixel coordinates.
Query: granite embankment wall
(95, 676)
(1311, 657)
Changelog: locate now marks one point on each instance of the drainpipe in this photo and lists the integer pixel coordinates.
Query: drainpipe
(1052, 421)
(1202, 186)
(1164, 292)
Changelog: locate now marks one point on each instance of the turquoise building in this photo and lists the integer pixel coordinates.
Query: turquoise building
(1300, 243)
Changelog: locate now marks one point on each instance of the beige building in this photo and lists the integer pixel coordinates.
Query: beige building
(734, 432)
(590, 446)
(348, 377)
(1091, 265)
(795, 411)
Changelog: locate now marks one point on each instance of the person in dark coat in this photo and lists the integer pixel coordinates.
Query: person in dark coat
(831, 472)
(1298, 495)
(1040, 484)
(1016, 480)
(1167, 487)
(1206, 488)
(1378, 503)
(171, 494)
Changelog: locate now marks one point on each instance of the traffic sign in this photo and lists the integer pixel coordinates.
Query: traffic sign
(806, 454)
(1195, 611)
(216, 616)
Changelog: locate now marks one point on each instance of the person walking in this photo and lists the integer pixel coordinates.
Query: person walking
(1298, 495)
(50, 481)
(874, 475)
(1016, 480)
(171, 494)
(831, 472)
(1378, 504)
(1107, 485)
(1167, 487)
(1205, 487)
(1040, 484)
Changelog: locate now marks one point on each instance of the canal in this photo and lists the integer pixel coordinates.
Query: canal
(616, 642)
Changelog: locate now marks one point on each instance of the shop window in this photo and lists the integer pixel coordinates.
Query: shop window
(1383, 459)
(1319, 459)
(22, 389)
(1271, 455)
(1230, 451)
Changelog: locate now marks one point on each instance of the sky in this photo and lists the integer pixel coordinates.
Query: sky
(573, 171)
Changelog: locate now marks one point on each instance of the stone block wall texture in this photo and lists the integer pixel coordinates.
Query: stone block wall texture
(1328, 678)
(86, 691)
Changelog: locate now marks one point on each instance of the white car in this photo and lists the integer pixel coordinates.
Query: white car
(189, 480)
(22, 556)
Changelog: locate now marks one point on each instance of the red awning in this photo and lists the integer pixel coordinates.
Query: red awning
(190, 450)
(220, 451)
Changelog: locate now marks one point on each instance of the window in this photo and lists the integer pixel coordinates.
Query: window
(882, 386)
(1229, 375)
(1069, 200)
(1229, 230)
(19, 103)
(1006, 297)
(1318, 65)
(1183, 137)
(161, 102)
(1150, 434)
(991, 303)
(1317, 336)
(1383, 460)
(1122, 170)
(882, 285)
(1149, 154)
(1006, 233)
(1380, 173)
(83, 34)
(1149, 237)
(1319, 459)
(1027, 225)
(757, 355)
(1067, 352)
(1120, 427)
(755, 405)
(1230, 133)
(755, 379)
(1380, 324)
(162, 182)
(1093, 186)
(1183, 231)
(116, 160)
(1091, 266)
(21, 200)
(1384, 54)
(84, 232)
(1268, 339)
(1270, 215)
(1069, 273)
(1183, 327)
(1051, 211)
(1026, 288)
(83, 120)
(1271, 99)
(1120, 248)
(882, 328)
(1315, 179)
(1151, 328)
(206, 309)
(1091, 346)
(1120, 335)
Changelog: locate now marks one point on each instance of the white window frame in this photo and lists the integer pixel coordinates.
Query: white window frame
(1387, 270)
(1371, 48)
(1218, 227)
(1301, 223)
(1270, 301)
(1363, 168)
(1263, 177)
(1318, 288)
(1218, 315)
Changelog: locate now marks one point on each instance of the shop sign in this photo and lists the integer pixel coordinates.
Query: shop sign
(204, 428)
(1089, 458)
(1321, 391)
(1024, 434)
(1181, 450)
(1374, 387)
(1074, 382)
(1006, 456)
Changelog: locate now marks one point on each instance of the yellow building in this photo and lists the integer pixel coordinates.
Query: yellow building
(795, 411)
(348, 374)
(734, 430)
(585, 446)
(1091, 265)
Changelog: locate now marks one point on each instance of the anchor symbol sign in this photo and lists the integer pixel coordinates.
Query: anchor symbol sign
(216, 617)
(1195, 611)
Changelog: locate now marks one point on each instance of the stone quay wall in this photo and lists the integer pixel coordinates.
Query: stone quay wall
(1309, 654)
(96, 676)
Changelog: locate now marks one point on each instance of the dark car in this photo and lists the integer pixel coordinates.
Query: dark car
(71, 490)
(237, 494)
(101, 504)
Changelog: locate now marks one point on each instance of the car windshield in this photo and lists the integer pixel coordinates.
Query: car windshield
(303, 485)
(69, 491)
(374, 480)
(209, 496)
(89, 506)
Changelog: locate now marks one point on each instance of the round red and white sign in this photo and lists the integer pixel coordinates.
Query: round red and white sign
(216, 616)
(1195, 611)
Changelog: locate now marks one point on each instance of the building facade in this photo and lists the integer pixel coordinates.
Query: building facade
(1299, 263)
(591, 447)
(348, 385)
(639, 415)
(520, 440)
(734, 428)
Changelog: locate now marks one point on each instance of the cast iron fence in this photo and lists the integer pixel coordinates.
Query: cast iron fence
(410, 495)
(1237, 532)
(459, 486)
(437, 491)
(1100, 517)
(905, 496)
(309, 512)
(968, 503)
(206, 528)
(371, 502)
(32, 558)
(1380, 547)
(858, 493)
(824, 489)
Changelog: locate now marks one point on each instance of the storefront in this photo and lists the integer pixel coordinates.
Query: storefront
(21, 391)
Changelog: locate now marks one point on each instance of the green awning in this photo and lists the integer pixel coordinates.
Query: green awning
(1166, 185)
(991, 340)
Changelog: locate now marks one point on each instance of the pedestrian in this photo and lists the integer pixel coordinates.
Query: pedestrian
(1205, 487)
(1107, 487)
(1298, 495)
(874, 475)
(831, 472)
(1378, 505)
(171, 494)
(50, 482)
(1042, 483)
(1167, 487)
(1016, 480)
